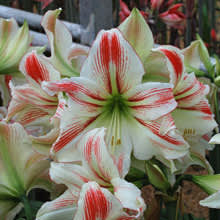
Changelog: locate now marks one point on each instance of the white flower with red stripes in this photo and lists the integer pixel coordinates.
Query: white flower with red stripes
(31, 106)
(109, 93)
(96, 188)
(193, 116)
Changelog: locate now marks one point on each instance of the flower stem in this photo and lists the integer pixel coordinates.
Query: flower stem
(215, 154)
(27, 207)
(171, 210)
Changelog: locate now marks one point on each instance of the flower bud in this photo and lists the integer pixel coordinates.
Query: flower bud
(156, 176)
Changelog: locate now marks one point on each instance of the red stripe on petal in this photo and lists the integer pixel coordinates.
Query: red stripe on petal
(120, 164)
(71, 88)
(32, 115)
(68, 135)
(176, 62)
(64, 202)
(162, 93)
(105, 61)
(93, 146)
(96, 205)
(36, 70)
(116, 59)
(202, 107)
(155, 128)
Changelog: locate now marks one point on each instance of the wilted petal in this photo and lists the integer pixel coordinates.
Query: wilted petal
(112, 63)
(137, 32)
(212, 201)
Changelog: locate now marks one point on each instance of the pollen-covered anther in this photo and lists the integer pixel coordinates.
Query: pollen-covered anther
(189, 131)
(118, 142)
(115, 141)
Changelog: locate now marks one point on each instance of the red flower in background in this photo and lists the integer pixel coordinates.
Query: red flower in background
(125, 12)
(173, 17)
(155, 4)
(213, 35)
(45, 3)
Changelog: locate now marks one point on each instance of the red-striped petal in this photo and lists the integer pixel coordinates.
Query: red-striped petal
(37, 68)
(112, 63)
(150, 101)
(96, 156)
(97, 203)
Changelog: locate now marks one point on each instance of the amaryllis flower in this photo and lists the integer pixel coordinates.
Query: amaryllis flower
(66, 57)
(173, 17)
(14, 43)
(193, 116)
(31, 106)
(21, 169)
(96, 188)
(109, 93)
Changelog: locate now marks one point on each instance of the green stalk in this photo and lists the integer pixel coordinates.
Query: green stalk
(171, 210)
(27, 208)
(215, 155)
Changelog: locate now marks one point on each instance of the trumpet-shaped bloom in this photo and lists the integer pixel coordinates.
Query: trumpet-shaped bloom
(29, 101)
(193, 116)
(96, 188)
(14, 43)
(66, 57)
(31, 106)
(109, 93)
(21, 169)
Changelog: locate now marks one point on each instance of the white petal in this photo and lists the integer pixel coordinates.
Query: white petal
(212, 201)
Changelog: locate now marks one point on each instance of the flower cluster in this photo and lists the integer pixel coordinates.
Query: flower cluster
(81, 119)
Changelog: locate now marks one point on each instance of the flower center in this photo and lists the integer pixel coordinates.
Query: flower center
(115, 109)
(116, 103)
